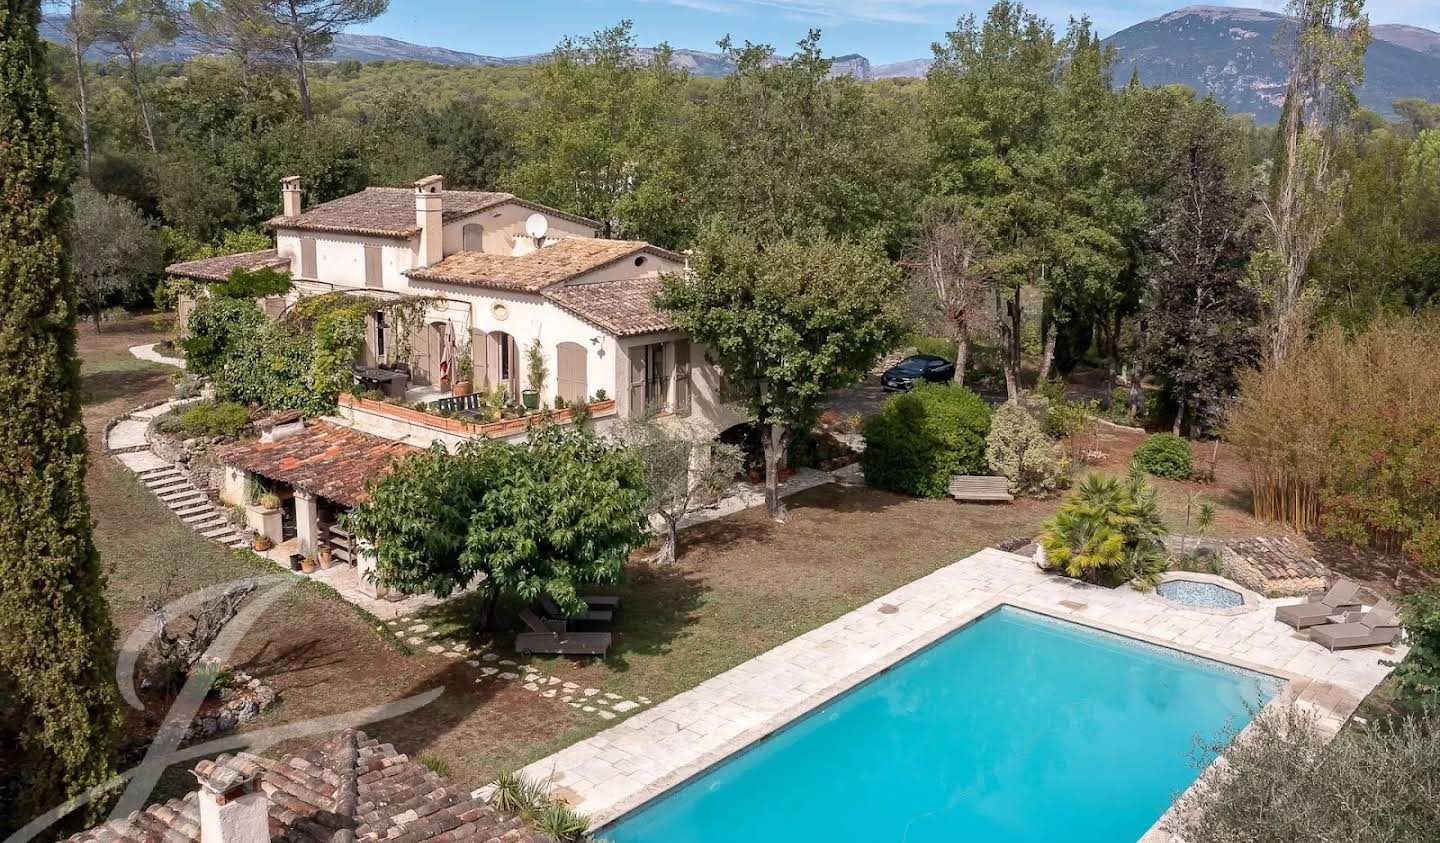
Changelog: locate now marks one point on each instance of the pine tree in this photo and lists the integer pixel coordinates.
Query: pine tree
(58, 704)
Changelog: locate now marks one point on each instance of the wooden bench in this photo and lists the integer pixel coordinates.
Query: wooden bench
(968, 487)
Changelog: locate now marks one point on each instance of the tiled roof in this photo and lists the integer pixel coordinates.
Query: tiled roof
(1278, 558)
(327, 459)
(390, 211)
(348, 787)
(559, 261)
(219, 268)
(623, 308)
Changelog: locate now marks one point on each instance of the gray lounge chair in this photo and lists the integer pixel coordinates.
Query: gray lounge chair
(1343, 596)
(554, 612)
(543, 638)
(601, 601)
(1374, 628)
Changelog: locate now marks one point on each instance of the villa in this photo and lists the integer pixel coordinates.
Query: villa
(499, 273)
(498, 276)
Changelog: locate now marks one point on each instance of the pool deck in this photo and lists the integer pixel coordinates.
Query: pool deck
(625, 766)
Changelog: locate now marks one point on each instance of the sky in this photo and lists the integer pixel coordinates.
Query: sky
(882, 30)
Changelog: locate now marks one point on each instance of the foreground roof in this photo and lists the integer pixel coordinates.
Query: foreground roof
(327, 459)
(566, 258)
(390, 211)
(219, 268)
(623, 308)
(348, 787)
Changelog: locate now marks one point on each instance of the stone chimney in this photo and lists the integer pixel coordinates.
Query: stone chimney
(291, 204)
(428, 208)
(232, 807)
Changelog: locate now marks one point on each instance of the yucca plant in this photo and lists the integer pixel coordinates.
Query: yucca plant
(561, 822)
(1107, 532)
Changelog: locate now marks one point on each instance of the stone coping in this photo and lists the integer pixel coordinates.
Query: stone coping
(1251, 600)
(626, 766)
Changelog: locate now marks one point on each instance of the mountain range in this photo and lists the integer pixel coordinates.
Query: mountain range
(1227, 51)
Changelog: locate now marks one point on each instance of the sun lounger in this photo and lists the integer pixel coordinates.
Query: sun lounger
(601, 601)
(554, 612)
(1374, 628)
(1343, 596)
(543, 638)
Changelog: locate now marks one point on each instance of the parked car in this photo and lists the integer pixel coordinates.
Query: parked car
(927, 367)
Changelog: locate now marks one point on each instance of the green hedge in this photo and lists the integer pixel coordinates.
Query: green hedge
(214, 419)
(1165, 455)
(923, 436)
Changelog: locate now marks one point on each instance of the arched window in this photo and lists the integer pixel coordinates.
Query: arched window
(473, 237)
(570, 365)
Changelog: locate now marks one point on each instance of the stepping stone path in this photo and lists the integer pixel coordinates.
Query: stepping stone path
(490, 666)
(126, 441)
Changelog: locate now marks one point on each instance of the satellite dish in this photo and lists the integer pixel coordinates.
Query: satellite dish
(536, 225)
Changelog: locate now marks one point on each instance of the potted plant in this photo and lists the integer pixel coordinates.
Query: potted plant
(261, 542)
(269, 500)
(464, 373)
(327, 557)
(307, 565)
(538, 371)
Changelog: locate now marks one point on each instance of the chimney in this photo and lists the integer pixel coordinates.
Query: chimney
(291, 203)
(428, 206)
(232, 807)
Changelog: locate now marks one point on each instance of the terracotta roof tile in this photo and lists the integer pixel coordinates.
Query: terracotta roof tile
(327, 790)
(1279, 558)
(559, 261)
(390, 211)
(623, 308)
(327, 459)
(219, 268)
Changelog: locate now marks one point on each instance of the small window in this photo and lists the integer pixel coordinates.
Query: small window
(640, 261)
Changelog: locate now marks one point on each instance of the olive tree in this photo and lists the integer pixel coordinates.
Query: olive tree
(682, 471)
(788, 321)
(117, 253)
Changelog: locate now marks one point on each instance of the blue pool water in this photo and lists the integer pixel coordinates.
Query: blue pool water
(1017, 727)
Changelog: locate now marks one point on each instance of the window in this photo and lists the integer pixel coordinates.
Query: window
(380, 327)
(373, 277)
(472, 237)
(655, 392)
(640, 261)
(307, 257)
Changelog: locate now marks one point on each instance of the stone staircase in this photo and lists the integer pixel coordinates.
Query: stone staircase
(191, 505)
(126, 441)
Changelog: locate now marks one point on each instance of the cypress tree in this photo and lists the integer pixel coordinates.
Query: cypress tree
(59, 714)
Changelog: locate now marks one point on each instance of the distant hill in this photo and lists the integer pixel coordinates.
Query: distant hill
(1231, 53)
(1223, 50)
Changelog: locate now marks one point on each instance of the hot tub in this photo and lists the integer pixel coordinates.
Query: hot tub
(1206, 593)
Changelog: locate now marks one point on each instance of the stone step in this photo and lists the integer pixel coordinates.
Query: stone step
(206, 522)
(158, 471)
(163, 476)
(193, 509)
(217, 532)
(201, 517)
(174, 484)
(171, 497)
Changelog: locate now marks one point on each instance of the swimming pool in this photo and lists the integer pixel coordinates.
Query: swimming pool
(1016, 727)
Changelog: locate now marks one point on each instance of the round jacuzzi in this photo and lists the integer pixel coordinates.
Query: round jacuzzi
(1206, 593)
(1202, 595)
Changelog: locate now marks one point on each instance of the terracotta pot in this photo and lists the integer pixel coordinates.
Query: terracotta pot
(308, 566)
(460, 388)
(262, 543)
(327, 559)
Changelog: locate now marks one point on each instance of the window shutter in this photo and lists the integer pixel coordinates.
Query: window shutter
(682, 378)
(373, 278)
(637, 381)
(307, 257)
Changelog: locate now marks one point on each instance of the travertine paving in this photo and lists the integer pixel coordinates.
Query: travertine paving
(624, 766)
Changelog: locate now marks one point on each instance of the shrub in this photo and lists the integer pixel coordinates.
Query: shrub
(937, 346)
(1107, 532)
(212, 418)
(1419, 673)
(1285, 780)
(922, 437)
(1164, 455)
(1018, 449)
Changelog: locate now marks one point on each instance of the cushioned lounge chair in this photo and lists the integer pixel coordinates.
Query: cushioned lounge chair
(554, 612)
(544, 638)
(1343, 596)
(1374, 628)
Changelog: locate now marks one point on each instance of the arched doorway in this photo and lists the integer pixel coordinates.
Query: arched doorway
(570, 365)
(472, 237)
(502, 362)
